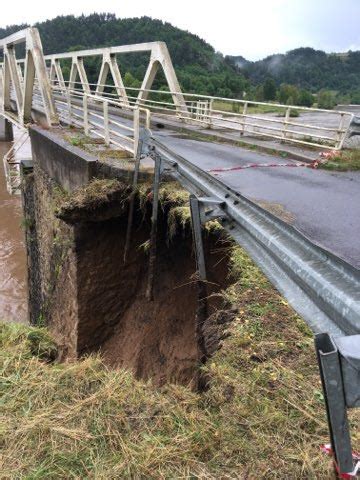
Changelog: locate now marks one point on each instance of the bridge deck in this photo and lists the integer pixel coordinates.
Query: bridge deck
(323, 206)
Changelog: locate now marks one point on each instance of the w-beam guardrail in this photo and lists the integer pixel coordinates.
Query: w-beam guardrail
(322, 288)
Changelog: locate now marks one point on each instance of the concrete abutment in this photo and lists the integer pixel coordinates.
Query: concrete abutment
(6, 130)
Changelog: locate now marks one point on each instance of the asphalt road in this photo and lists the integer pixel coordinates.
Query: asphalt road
(324, 206)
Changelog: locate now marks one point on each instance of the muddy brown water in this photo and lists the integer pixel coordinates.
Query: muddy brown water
(13, 292)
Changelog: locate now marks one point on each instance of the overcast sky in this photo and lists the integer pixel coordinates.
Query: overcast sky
(252, 28)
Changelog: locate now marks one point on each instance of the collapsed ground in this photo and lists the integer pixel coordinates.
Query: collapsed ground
(262, 415)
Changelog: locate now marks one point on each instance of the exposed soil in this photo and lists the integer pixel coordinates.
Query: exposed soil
(155, 339)
(93, 302)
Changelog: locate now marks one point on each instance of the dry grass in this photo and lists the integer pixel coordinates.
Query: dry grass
(344, 161)
(175, 201)
(262, 416)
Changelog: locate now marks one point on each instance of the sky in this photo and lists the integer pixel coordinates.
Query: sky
(251, 28)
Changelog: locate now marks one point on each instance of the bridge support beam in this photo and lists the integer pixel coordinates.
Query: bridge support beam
(6, 130)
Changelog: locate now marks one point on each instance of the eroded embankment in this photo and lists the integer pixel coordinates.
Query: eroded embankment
(94, 301)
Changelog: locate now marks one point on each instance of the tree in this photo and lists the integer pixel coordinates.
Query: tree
(269, 89)
(326, 99)
(288, 91)
(259, 93)
(355, 98)
(305, 99)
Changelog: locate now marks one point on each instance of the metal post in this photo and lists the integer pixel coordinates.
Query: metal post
(68, 101)
(211, 106)
(132, 201)
(136, 131)
(86, 115)
(340, 137)
(153, 233)
(106, 123)
(244, 118)
(286, 121)
(201, 314)
(331, 379)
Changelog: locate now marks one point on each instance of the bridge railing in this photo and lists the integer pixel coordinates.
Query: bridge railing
(97, 116)
(306, 126)
(288, 123)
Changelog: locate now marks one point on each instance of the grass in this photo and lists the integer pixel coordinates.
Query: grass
(262, 416)
(175, 201)
(235, 107)
(344, 161)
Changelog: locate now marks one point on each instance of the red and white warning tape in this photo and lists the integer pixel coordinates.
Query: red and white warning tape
(216, 171)
(356, 457)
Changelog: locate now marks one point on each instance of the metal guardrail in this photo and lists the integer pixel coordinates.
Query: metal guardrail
(235, 115)
(91, 113)
(321, 287)
(324, 290)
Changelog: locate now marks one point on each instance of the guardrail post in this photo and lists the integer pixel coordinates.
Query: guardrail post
(201, 314)
(106, 123)
(154, 224)
(136, 130)
(286, 122)
(86, 115)
(332, 379)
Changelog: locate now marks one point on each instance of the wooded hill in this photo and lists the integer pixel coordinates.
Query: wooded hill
(200, 69)
(306, 68)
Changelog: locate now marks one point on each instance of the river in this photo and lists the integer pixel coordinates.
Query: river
(13, 292)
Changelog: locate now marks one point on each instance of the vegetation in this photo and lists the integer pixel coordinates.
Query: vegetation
(200, 69)
(269, 90)
(346, 160)
(294, 78)
(306, 68)
(326, 99)
(262, 416)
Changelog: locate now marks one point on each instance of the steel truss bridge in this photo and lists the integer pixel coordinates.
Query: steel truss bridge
(324, 289)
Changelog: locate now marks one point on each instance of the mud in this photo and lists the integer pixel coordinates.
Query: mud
(155, 339)
(93, 302)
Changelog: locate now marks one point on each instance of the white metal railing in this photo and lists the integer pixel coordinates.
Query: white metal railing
(90, 112)
(11, 164)
(203, 110)
(237, 116)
